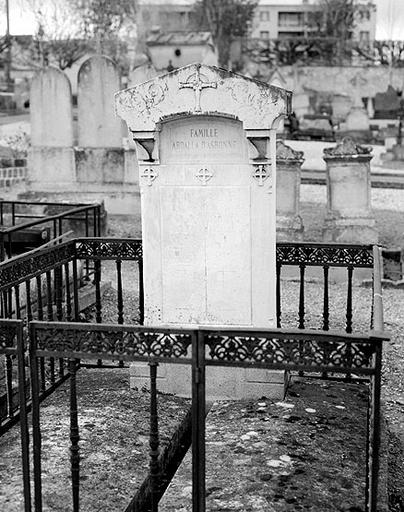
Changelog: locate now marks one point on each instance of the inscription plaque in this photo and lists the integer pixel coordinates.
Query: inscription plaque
(203, 140)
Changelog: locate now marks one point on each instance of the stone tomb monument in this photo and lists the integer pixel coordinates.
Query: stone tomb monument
(206, 141)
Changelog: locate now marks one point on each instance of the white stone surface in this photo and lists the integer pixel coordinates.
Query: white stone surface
(51, 168)
(205, 220)
(51, 109)
(98, 126)
(142, 74)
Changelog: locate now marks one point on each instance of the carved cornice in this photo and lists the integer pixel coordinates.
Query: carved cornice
(202, 90)
(285, 153)
(348, 149)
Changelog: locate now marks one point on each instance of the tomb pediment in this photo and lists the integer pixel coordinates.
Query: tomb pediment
(202, 90)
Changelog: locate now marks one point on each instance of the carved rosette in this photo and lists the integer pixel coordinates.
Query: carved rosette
(148, 175)
(261, 174)
(204, 175)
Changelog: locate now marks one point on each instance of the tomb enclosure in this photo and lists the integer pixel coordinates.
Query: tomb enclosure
(206, 142)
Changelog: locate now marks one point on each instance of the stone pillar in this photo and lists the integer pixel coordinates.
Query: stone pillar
(349, 216)
(51, 159)
(289, 225)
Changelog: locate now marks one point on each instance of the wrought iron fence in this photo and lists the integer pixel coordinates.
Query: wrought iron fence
(327, 256)
(46, 285)
(27, 223)
(277, 349)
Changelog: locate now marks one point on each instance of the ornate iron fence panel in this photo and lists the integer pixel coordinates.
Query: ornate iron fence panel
(19, 269)
(319, 254)
(107, 249)
(315, 351)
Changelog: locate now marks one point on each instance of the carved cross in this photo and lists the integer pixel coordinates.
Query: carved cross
(149, 175)
(197, 85)
(204, 176)
(261, 174)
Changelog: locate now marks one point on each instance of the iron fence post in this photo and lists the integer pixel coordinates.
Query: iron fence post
(198, 422)
(36, 429)
(23, 419)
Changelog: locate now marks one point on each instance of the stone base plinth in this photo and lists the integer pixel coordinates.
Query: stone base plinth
(51, 168)
(100, 165)
(289, 229)
(357, 230)
(222, 383)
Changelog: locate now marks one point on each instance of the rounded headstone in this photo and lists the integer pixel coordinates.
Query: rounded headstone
(51, 109)
(98, 125)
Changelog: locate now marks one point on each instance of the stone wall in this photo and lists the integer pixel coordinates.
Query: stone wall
(13, 171)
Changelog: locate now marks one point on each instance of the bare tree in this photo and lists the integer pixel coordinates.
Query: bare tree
(57, 39)
(226, 20)
(103, 20)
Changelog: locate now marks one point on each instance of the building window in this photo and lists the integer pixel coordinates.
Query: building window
(288, 35)
(291, 19)
(264, 16)
(264, 34)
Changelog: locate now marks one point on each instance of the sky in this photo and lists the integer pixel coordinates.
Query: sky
(390, 18)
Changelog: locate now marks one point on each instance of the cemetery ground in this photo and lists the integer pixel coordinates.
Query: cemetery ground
(304, 453)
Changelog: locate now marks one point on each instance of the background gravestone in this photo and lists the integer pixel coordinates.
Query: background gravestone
(349, 214)
(100, 157)
(51, 159)
(207, 158)
(98, 125)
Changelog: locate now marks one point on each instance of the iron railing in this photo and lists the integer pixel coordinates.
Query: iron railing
(23, 217)
(46, 285)
(277, 349)
(328, 256)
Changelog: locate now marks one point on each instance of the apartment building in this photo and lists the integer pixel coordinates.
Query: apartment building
(273, 18)
(277, 19)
